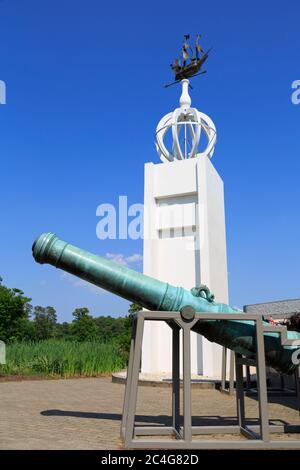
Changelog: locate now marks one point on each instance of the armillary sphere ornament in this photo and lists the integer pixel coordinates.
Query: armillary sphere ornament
(186, 125)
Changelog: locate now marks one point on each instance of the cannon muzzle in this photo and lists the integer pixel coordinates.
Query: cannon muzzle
(153, 294)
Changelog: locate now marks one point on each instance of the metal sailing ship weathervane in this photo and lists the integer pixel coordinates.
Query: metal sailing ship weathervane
(191, 62)
(186, 123)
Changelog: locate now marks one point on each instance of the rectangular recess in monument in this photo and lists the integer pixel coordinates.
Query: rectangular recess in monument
(176, 216)
(180, 232)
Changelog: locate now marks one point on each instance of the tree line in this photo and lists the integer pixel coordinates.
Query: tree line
(20, 321)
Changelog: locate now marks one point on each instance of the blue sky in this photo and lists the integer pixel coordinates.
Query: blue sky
(84, 94)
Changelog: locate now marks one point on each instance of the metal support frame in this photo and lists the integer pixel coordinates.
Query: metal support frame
(283, 390)
(230, 388)
(181, 437)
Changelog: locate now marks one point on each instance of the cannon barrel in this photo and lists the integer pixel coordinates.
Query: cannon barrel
(153, 294)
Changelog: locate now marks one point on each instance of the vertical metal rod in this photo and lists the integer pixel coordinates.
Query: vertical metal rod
(282, 382)
(223, 373)
(231, 372)
(176, 377)
(128, 379)
(248, 377)
(129, 431)
(240, 399)
(262, 381)
(187, 398)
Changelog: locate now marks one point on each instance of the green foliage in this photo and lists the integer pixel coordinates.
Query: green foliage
(83, 327)
(134, 308)
(14, 314)
(87, 346)
(80, 313)
(44, 322)
(123, 341)
(125, 337)
(109, 328)
(62, 358)
(63, 330)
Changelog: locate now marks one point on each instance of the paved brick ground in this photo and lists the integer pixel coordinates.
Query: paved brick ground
(86, 413)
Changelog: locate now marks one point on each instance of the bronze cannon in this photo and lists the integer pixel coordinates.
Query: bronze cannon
(153, 294)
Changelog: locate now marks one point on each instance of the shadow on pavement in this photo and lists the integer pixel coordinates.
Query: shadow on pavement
(159, 419)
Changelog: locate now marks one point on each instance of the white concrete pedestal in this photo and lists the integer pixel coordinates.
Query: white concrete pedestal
(185, 245)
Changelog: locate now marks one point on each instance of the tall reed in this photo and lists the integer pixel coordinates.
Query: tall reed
(62, 358)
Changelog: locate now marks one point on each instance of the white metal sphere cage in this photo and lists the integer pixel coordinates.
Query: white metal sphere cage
(186, 125)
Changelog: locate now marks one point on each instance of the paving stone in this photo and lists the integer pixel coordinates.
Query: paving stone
(86, 413)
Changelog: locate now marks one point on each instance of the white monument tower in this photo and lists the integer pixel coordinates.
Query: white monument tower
(184, 227)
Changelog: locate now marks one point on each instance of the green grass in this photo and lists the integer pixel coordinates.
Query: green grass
(62, 358)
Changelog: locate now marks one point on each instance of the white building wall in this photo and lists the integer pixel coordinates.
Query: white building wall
(185, 245)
